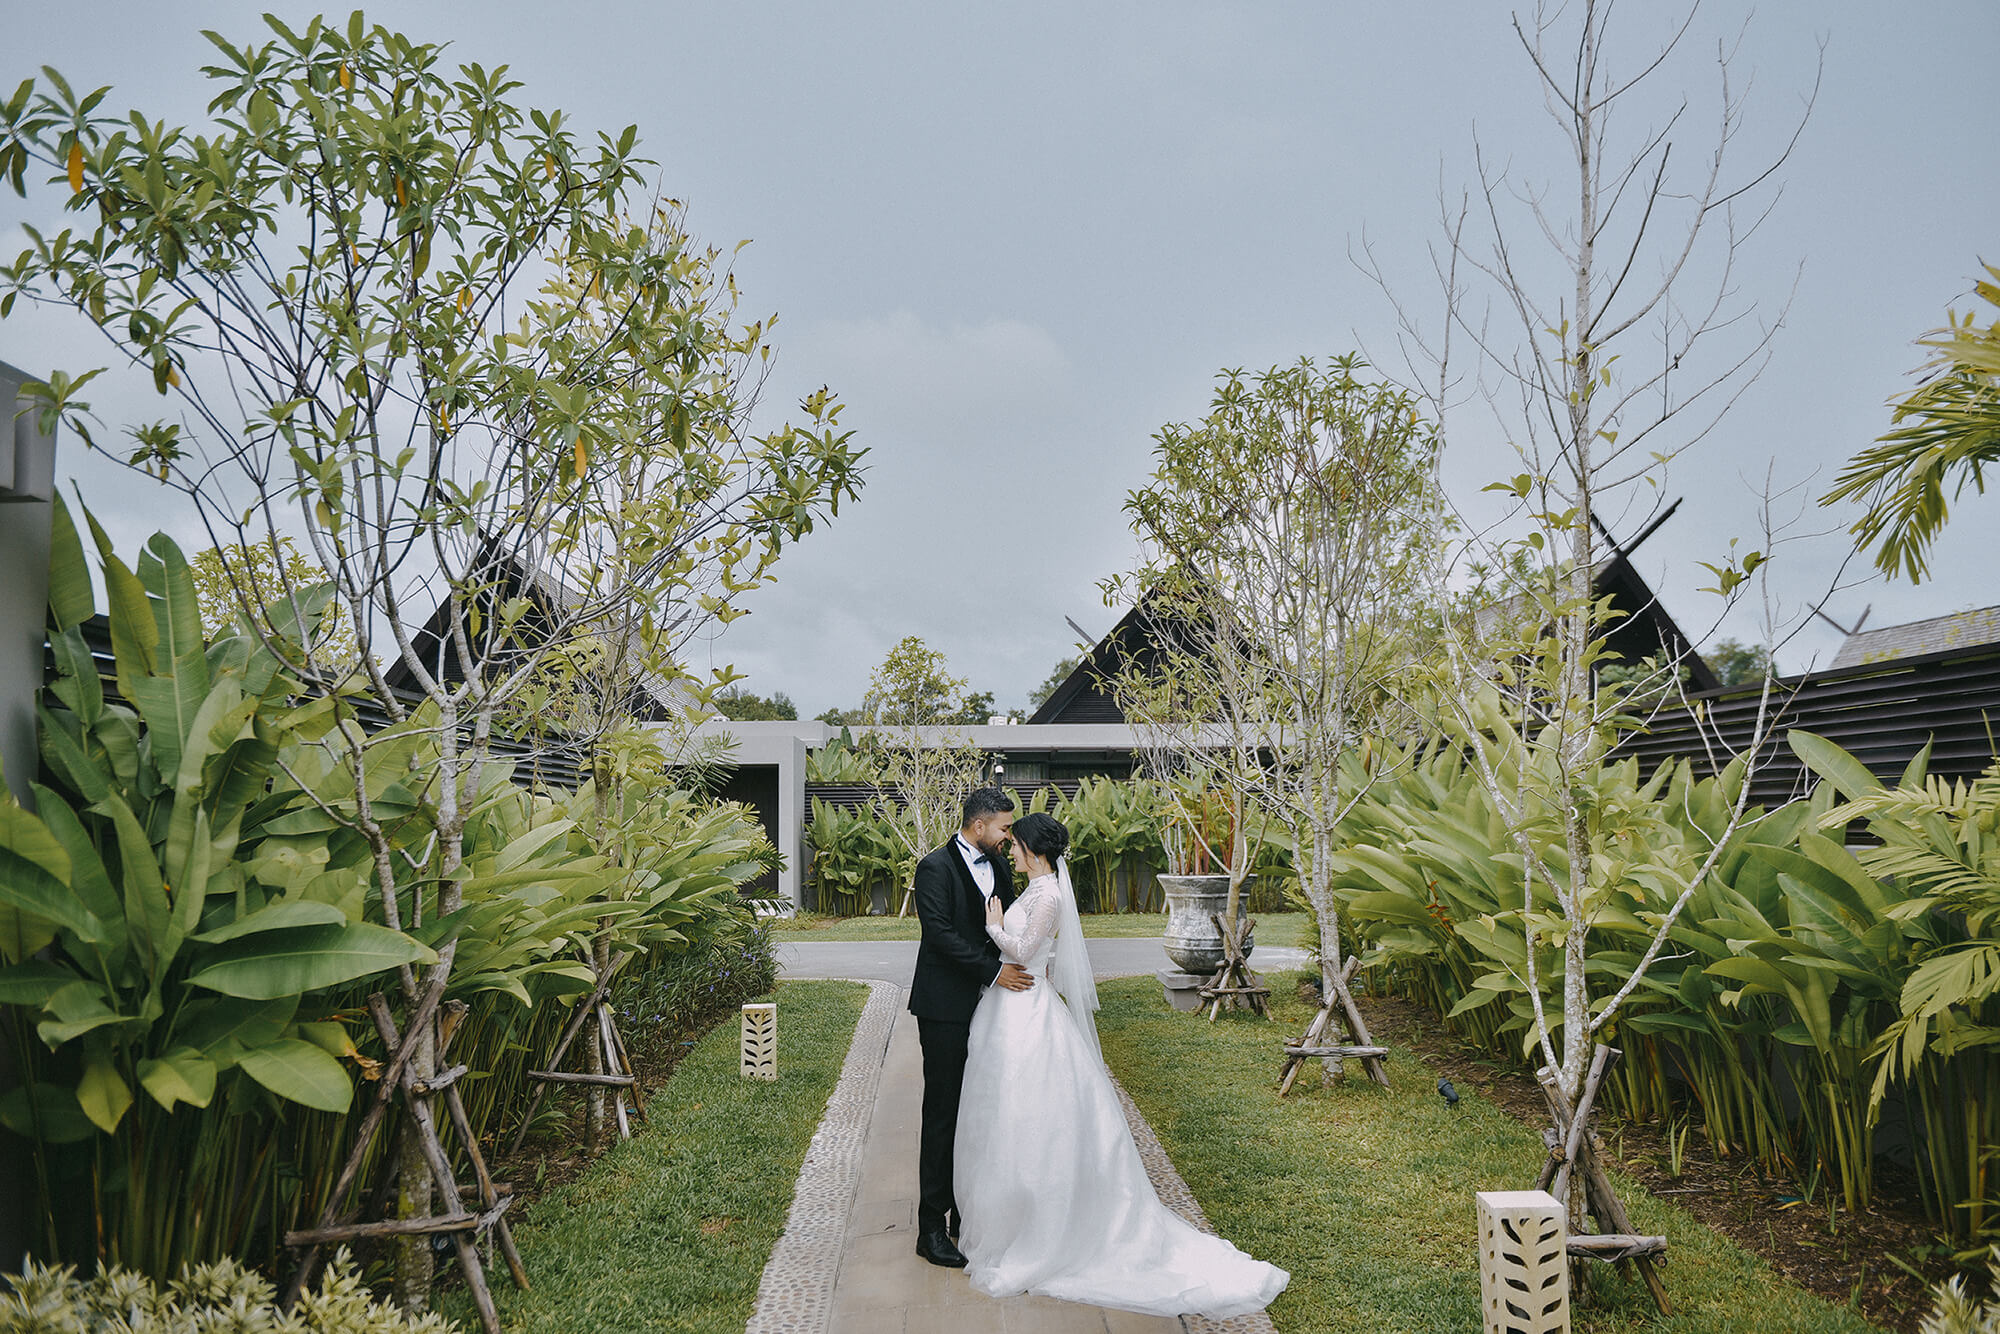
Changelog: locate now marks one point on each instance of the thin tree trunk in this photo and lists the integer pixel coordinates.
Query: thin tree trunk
(415, 1265)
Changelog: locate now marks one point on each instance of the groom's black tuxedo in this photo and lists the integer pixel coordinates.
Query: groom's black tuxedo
(955, 959)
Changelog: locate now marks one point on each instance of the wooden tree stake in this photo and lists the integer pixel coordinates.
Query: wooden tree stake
(462, 1226)
(1234, 985)
(583, 1013)
(1573, 1154)
(1338, 1000)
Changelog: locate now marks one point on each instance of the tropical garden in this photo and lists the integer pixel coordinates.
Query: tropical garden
(294, 939)
(295, 944)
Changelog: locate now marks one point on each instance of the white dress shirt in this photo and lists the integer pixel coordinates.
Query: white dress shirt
(978, 863)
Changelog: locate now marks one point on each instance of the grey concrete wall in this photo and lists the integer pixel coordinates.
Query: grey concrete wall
(27, 479)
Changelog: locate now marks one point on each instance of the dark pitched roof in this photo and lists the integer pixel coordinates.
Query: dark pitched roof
(658, 698)
(1961, 629)
(1086, 694)
(1645, 630)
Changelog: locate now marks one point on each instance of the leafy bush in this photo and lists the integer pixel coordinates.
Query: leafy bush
(731, 961)
(1116, 829)
(176, 922)
(1806, 980)
(187, 931)
(852, 852)
(841, 761)
(206, 1298)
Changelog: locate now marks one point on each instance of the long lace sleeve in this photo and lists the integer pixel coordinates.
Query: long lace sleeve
(1040, 923)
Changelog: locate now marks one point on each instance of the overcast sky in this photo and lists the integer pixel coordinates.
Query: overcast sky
(1016, 239)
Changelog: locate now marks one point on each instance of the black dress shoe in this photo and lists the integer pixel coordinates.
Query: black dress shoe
(936, 1247)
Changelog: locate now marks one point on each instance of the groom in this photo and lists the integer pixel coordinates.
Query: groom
(955, 960)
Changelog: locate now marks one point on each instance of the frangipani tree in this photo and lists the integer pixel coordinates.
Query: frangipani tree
(458, 351)
(1626, 357)
(1289, 532)
(928, 764)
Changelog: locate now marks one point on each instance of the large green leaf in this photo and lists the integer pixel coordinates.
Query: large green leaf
(39, 903)
(88, 879)
(70, 600)
(66, 755)
(164, 571)
(77, 1007)
(180, 1075)
(147, 908)
(1832, 763)
(219, 1027)
(290, 962)
(276, 917)
(45, 1113)
(300, 1072)
(172, 694)
(32, 983)
(135, 635)
(102, 1092)
(77, 683)
(29, 839)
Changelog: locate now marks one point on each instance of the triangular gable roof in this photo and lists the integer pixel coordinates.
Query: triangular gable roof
(1645, 630)
(1086, 695)
(663, 699)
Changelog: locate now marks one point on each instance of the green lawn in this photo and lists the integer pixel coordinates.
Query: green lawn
(1286, 928)
(1365, 1195)
(671, 1229)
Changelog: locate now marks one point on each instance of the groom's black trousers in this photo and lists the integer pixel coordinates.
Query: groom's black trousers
(944, 1043)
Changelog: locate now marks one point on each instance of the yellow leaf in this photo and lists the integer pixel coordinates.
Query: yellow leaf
(76, 168)
(582, 458)
(174, 376)
(464, 299)
(346, 76)
(444, 420)
(549, 166)
(355, 250)
(402, 194)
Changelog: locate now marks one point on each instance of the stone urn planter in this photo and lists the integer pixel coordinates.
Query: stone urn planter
(1191, 939)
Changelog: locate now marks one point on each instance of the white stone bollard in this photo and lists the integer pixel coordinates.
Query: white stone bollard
(760, 1041)
(1523, 1262)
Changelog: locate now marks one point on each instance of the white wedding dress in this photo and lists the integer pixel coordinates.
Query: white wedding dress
(1054, 1198)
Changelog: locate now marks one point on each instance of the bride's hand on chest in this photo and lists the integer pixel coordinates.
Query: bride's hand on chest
(995, 914)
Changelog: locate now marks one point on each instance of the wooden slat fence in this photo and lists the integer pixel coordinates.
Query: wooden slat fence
(1883, 713)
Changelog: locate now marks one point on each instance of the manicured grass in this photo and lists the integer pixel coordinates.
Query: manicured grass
(1286, 928)
(671, 1229)
(1366, 1195)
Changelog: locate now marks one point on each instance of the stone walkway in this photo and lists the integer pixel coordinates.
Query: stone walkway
(847, 1261)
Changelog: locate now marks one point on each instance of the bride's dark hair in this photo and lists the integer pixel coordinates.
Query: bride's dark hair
(1043, 835)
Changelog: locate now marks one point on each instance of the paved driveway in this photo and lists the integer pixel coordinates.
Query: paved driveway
(895, 960)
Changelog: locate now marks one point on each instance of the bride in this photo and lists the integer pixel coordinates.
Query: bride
(1054, 1197)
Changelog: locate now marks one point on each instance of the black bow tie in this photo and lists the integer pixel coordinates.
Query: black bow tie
(981, 861)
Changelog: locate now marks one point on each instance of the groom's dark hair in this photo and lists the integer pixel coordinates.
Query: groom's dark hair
(985, 801)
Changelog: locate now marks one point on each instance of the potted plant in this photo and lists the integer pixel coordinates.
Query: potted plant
(1208, 857)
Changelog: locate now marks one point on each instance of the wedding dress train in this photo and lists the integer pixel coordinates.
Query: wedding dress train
(1050, 1187)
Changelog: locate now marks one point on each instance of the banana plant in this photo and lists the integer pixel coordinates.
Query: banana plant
(851, 854)
(166, 933)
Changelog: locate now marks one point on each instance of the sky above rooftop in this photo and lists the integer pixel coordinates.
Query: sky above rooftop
(1017, 239)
